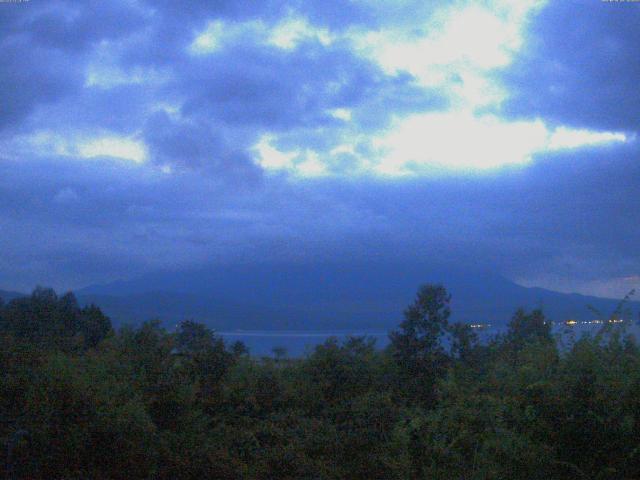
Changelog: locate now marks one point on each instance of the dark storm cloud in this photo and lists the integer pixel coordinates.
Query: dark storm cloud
(581, 66)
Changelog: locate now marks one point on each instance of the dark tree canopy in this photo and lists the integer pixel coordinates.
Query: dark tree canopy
(46, 319)
(417, 345)
(81, 401)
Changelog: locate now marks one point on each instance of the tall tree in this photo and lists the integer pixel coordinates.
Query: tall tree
(417, 347)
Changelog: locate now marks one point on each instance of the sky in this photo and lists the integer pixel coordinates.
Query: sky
(140, 136)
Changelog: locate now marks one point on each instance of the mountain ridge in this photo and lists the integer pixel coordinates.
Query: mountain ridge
(317, 297)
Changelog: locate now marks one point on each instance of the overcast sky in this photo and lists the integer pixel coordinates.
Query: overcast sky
(146, 135)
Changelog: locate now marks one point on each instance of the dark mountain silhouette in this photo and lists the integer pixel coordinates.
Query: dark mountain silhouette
(7, 296)
(326, 297)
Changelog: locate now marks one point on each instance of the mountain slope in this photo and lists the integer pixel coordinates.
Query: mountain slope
(7, 296)
(324, 297)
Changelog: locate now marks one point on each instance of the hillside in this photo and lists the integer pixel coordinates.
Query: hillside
(325, 297)
(8, 295)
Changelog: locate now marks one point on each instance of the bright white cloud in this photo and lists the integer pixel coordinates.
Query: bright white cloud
(341, 114)
(209, 40)
(79, 145)
(117, 147)
(457, 49)
(436, 143)
(305, 163)
(462, 141)
(456, 141)
(564, 138)
(311, 166)
(270, 158)
(286, 34)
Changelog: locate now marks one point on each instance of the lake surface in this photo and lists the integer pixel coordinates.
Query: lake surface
(299, 343)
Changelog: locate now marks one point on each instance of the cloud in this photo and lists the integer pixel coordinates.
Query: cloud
(435, 144)
(580, 66)
(205, 147)
(567, 213)
(31, 76)
(42, 50)
(111, 146)
(138, 136)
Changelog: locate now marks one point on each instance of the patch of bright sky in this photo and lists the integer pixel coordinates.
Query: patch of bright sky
(209, 40)
(463, 141)
(285, 34)
(341, 114)
(270, 158)
(447, 141)
(290, 32)
(45, 142)
(114, 146)
(456, 51)
(614, 287)
(304, 163)
(563, 138)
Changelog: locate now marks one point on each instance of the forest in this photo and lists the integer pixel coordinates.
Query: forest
(81, 400)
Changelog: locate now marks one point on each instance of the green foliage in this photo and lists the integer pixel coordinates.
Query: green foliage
(49, 321)
(417, 346)
(527, 328)
(80, 401)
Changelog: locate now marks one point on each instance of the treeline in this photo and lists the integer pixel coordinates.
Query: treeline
(81, 401)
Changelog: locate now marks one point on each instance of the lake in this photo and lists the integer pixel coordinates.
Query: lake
(298, 343)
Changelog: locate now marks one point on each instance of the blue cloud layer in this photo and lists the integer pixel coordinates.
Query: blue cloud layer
(74, 71)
